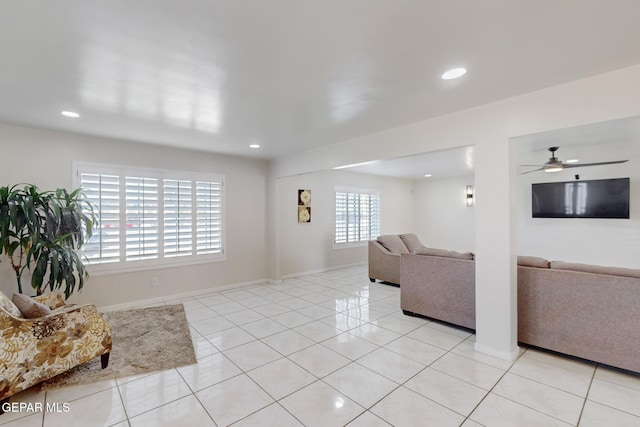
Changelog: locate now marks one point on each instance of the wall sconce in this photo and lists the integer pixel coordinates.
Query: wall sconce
(469, 196)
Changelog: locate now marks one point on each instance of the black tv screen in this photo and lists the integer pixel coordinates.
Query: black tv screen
(601, 198)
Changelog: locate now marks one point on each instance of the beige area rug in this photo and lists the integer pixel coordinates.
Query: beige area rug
(144, 340)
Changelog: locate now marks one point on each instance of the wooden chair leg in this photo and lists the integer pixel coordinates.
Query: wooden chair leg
(3, 402)
(104, 359)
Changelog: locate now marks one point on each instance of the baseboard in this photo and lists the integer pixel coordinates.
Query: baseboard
(509, 356)
(322, 270)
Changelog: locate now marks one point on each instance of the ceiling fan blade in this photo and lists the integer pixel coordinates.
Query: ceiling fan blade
(533, 166)
(578, 165)
(535, 170)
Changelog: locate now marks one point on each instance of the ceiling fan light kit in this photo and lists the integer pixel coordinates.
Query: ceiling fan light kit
(554, 164)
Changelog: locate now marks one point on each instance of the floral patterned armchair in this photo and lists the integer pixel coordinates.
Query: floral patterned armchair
(34, 350)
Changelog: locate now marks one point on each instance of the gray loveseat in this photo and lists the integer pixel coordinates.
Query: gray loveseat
(582, 310)
(587, 311)
(384, 255)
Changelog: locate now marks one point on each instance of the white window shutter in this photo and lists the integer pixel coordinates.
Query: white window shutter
(209, 217)
(151, 218)
(357, 217)
(374, 226)
(178, 217)
(104, 192)
(141, 218)
(341, 218)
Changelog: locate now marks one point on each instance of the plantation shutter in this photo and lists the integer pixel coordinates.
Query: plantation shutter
(357, 217)
(374, 215)
(353, 215)
(209, 217)
(141, 218)
(178, 217)
(341, 218)
(103, 191)
(150, 218)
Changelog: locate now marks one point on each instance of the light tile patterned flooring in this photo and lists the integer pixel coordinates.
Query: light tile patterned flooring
(333, 349)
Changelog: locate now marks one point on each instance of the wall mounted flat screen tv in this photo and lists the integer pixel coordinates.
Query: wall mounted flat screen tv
(601, 198)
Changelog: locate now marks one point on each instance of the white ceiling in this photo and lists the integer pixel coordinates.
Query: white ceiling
(437, 164)
(290, 74)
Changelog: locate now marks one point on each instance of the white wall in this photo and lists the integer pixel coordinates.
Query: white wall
(45, 158)
(614, 242)
(309, 246)
(441, 216)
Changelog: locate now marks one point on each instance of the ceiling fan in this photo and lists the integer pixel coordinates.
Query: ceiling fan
(554, 164)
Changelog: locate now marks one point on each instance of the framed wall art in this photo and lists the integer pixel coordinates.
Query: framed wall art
(304, 206)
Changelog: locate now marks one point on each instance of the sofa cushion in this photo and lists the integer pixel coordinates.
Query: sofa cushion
(411, 241)
(444, 253)
(29, 308)
(9, 306)
(393, 243)
(533, 261)
(596, 269)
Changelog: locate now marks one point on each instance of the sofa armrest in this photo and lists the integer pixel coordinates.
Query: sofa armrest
(383, 265)
(374, 245)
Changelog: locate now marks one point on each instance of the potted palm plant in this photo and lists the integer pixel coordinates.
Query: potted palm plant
(43, 232)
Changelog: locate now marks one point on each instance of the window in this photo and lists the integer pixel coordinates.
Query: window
(150, 218)
(357, 216)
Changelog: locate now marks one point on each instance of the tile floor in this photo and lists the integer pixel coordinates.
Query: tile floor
(333, 349)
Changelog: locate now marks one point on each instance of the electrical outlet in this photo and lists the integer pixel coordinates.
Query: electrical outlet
(154, 281)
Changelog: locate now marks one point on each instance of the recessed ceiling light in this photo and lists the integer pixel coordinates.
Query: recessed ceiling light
(71, 114)
(254, 146)
(427, 175)
(572, 161)
(454, 73)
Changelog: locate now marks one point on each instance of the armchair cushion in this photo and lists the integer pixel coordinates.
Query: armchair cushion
(29, 308)
(393, 243)
(411, 241)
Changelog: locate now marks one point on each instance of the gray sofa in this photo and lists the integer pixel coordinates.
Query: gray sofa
(582, 310)
(587, 311)
(439, 284)
(384, 255)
